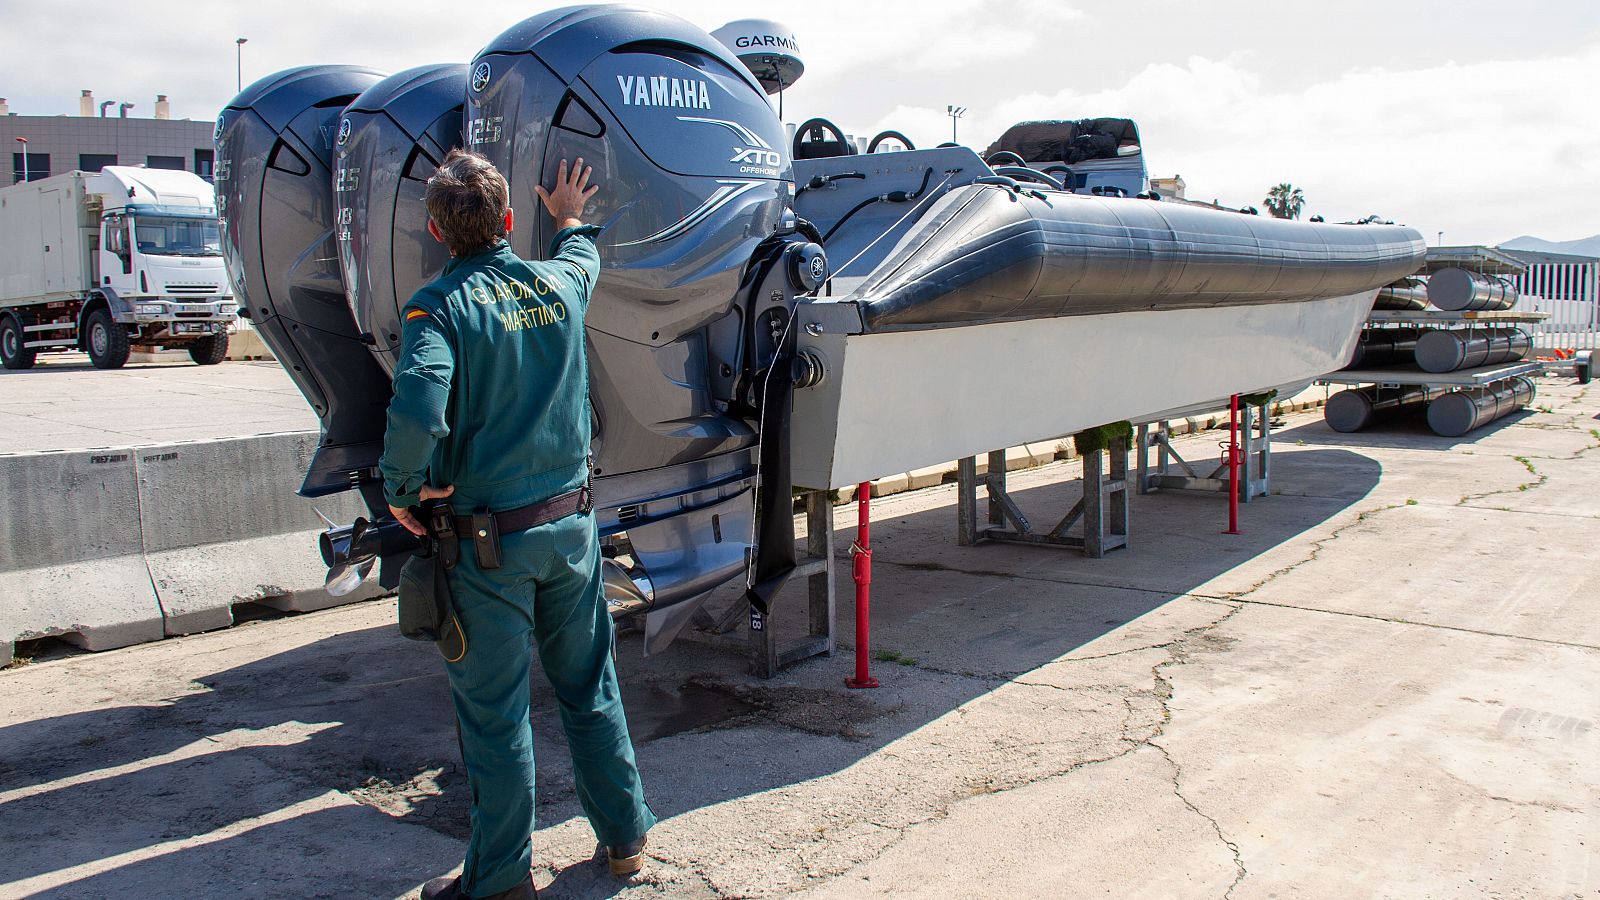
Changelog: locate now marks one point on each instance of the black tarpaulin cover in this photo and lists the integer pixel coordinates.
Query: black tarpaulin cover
(1067, 140)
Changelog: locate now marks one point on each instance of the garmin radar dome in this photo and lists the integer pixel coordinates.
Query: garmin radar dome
(767, 48)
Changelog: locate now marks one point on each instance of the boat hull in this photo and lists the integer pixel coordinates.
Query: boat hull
(892, 402)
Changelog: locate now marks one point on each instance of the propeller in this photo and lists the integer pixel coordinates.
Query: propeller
(351, 551)
(346, 577)
(346, 572)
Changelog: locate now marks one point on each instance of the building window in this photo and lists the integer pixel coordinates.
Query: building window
(165, 162)
(94, 162)
(38, 166)
(205, 162)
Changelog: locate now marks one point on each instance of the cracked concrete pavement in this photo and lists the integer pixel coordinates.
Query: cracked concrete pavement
(1389, 685)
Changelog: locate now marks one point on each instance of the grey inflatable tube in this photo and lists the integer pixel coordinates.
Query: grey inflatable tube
(985, 253)
(1385, 347)
(1449, 351)
(1457, 290)
(1357, 408)
(1407, 293)
(1459, 412)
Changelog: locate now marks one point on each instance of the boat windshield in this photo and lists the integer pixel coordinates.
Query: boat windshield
(177, 235)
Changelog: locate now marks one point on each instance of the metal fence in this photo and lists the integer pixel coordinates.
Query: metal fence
(1570, 293)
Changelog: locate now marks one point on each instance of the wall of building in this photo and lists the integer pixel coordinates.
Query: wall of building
(66, 140)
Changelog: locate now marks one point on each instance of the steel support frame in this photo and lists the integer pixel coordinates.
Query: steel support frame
(1255, 463)
(767, 655)
(1103, 508)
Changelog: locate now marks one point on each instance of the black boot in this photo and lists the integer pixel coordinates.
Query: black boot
(448, 888)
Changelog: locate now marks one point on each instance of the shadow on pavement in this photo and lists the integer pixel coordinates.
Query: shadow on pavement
(366, 714)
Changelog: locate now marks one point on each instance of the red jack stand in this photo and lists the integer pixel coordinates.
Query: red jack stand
(1233, 465)
(862, 553)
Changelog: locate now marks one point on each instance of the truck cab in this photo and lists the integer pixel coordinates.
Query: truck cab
(160, 253)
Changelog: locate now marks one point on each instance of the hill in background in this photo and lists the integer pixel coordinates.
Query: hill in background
(1589, 246)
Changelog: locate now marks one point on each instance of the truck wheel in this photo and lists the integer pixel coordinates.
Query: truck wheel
(12, 353)
(210, 351)
(108, 341)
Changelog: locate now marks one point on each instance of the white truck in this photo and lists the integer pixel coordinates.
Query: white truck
(110, 260)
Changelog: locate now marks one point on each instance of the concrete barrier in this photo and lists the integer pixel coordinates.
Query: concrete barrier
(222, 525)
(72, 553)
(108, 548)
(246, 343)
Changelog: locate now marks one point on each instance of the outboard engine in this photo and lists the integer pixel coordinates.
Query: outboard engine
(693, 177)
(274, 180)
(703, 262)
(391, 140)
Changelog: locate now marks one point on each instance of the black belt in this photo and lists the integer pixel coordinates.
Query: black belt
(524, 517)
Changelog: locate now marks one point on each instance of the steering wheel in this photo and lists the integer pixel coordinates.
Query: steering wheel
(888, 135)
(1005, 158)
(815, 129)
(1023, 173)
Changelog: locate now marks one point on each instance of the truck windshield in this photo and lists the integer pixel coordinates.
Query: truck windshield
(177, 236)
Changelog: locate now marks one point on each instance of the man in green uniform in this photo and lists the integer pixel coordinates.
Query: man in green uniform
(491, 410)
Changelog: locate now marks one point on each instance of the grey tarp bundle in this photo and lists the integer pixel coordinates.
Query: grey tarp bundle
(1066, 140)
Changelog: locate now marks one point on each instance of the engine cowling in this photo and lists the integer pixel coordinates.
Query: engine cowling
(274, 181)
(694, 175)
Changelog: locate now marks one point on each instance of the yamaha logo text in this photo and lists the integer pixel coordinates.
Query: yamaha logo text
(660, 90)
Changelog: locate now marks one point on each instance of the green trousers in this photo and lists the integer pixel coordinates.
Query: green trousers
(548, 587)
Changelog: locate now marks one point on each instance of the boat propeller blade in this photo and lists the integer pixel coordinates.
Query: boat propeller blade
(346, 577)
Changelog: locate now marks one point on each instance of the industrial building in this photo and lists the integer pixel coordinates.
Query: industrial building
(105, 133)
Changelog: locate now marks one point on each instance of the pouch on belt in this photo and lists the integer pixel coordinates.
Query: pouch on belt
(427, 610)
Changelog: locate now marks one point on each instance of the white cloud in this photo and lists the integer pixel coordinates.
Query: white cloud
(1483, 133)
(1482, 151)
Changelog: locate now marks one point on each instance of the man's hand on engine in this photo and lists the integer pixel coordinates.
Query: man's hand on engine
(566, 201)
(404, 516)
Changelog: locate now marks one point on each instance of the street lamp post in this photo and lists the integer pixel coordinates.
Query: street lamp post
(238, 44)
(954, 112)
(24, 142)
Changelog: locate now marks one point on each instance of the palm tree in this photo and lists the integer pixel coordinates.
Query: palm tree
(1285, 201)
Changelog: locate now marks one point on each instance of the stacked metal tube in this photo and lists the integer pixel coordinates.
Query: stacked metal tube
(1459, 290)
(1385, 347)
(1459, 412)
(1356, 408)
(1410, 292)
(1450, 351)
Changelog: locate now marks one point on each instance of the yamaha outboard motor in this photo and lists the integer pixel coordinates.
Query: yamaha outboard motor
(274, 181)
(695, 189)
(391, 140)
(703, 264)
(693, 177)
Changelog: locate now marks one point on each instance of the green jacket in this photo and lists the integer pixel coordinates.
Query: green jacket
(491, 390)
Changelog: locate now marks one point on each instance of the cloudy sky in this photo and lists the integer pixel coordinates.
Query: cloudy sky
(1473, 118)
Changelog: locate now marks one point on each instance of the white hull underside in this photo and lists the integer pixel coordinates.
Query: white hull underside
(897, 401)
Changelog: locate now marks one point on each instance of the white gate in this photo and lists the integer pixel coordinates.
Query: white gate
(1570, 293)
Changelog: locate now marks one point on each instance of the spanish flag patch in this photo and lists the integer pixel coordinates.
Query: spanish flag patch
(415, 314)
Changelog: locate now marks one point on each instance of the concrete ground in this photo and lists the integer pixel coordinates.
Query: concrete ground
(64, 403)
(1388, 686)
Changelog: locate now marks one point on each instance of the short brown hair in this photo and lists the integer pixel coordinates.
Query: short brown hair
(468, 198)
